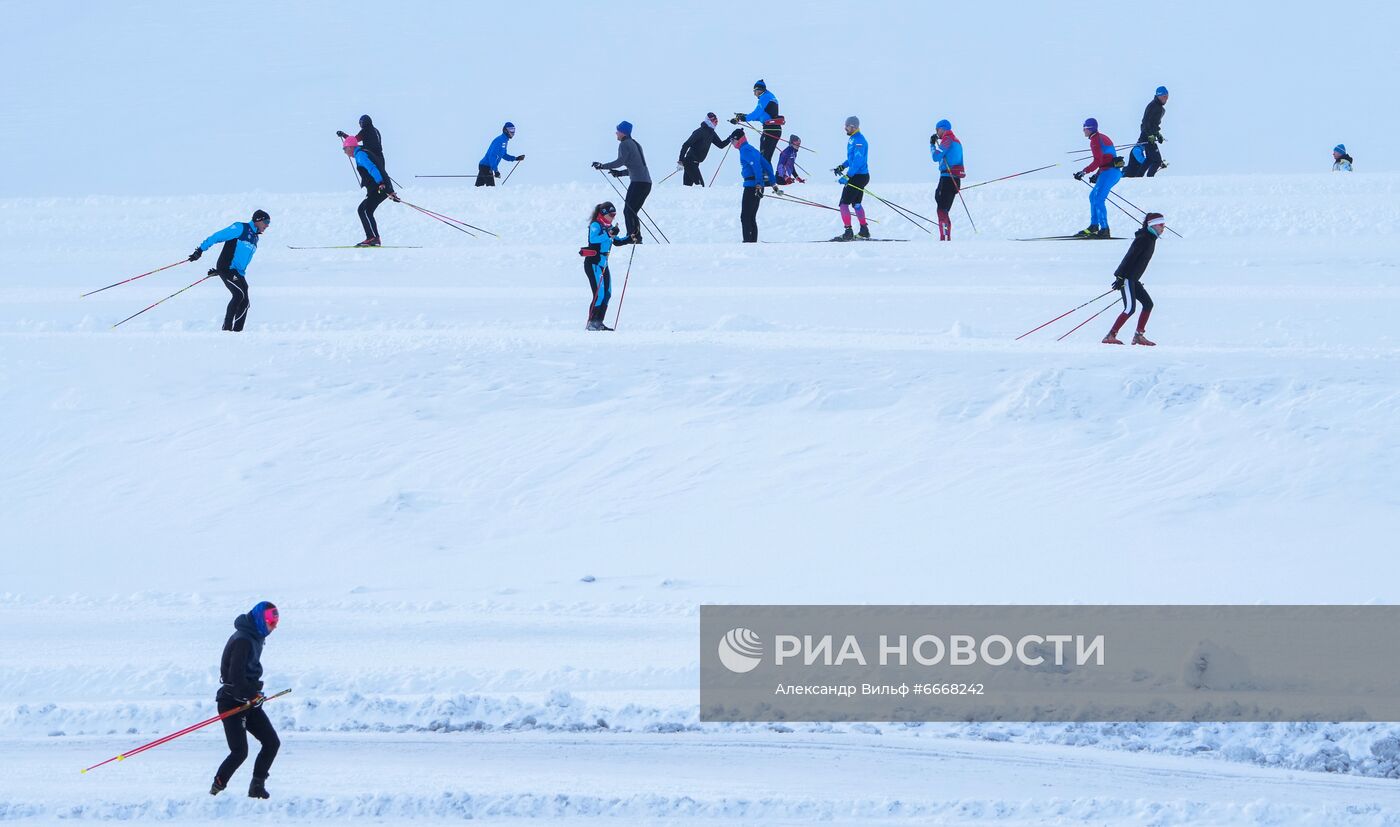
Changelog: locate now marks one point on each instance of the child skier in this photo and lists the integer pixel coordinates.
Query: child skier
(602, 237)
(240, 243)
(240, 671)
(787, 163)
(1127, 279)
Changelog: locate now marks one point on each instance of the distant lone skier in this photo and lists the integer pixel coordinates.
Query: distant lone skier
(1127, 280)
(854, 176)
(1107, 170)
(377, 189)
(630, 163)
(602, 237)
(697, 148)
(240, 241)
(1145, 158)
(488, 169)
(766, 113)
(947, 152)
(786, 172)
(240, 672)
(1341, 161)
(757, 174)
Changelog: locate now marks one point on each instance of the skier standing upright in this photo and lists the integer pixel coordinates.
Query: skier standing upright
(697, 148)
(377, 189)
(1341, 161)
(1107, 170)
(854, 175)
(1127, 279)
(947, 153)
(1146, 158)
(757, 174)
(240, 676)
(602, 237)
(240, 241)
(632, 164)
(766, 113)
(488, 169)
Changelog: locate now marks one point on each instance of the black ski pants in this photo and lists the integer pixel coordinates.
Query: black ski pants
(367, 208)
(485, 177)
(637, 193)
(237, 312)
(692, 175)
(748, 213)
(769, 142)
(236, 731)
(1147, 167)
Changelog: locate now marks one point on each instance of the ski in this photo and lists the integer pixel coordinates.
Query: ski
(1070, 238)
(357, 247)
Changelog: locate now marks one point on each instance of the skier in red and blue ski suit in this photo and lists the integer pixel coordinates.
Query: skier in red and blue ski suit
(947, 152)
(1107, 169)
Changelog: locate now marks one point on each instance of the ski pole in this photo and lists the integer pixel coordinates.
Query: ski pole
(134, 278)
(441, 220)
(164, 300)
(897, 208)
(792, 199)
(187, 730)
(668, 177)
(1062, 315)
(1119, 146)
(623, 296)
(721, 164)
(1141, 210)
(1114, 203)
(1086, 321)
(1004, 177)
(442, 217)
(747, 125)
(445, 176)
(509, 174)
(966, 210)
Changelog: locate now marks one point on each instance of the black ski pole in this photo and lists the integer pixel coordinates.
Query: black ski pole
(1144, 212)
(473, 175)
(164, 300)
(509, 174)
(643, 218)
(1005, 177)
(669, 177)
(721, 164)
(1115, 203)
(966, 210)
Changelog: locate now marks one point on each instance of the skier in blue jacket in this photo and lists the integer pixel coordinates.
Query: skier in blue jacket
(377, 189)
(854, 175)
(947, 152)
(602, 237)
(766, 113)
(757, 173)
(240, 240)
(488, 168)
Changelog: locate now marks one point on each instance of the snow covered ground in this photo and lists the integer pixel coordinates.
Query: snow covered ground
(489, 532)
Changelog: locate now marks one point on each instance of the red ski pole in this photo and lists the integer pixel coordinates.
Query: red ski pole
(134, 278)
(623, 295)
(1004, 177)
(1086, 321)
(1064, 314)
(187, 730)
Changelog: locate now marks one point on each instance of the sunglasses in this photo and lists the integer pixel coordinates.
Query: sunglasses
(607, 211)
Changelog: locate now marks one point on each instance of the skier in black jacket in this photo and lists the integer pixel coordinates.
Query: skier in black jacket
(697, 147)
(1146, 158)
(371, 140)
(1127, 279)
(240, 671)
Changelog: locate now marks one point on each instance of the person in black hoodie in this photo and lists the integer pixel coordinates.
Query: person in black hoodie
(1127, 279)
(240, 674)
(697, 147)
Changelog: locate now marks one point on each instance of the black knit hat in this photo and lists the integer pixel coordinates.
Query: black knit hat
(259, 215)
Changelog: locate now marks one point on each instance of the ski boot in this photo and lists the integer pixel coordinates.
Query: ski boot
(597, 325)
(864, 232)
(217, 787)
(1140, 339)
(846, 236)
(1103, 233)
(1091, 231)
(256, 788)
(1110, 339)
(372, 241)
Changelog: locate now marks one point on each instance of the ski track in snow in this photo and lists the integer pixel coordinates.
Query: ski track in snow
(419, 454)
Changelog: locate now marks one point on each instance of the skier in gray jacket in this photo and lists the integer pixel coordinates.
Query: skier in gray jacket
(632, 164)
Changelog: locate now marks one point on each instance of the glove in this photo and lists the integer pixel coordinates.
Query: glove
(680, 165)
(801, 180)
(1094, 179)
(496, 172)
(616, 173)
(257, 700)
(777, 191)
(519, 158)
(1079, 176)
(613, 231)
(597, 165)
(932, 140)
(1117, 284)
(1164, 165)
(340, 134)
(1152, 139)
(1160, 139)
(740, 117)
(198, 251)
(758, 191)
(394, 196)
(843, 180)
(840, 168)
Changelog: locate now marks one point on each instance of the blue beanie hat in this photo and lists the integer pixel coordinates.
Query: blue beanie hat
(1161, 90)
(759, 84)
(508, 125)
(1342, 148)
(1091, 123)
(943, 124)
(625, 127)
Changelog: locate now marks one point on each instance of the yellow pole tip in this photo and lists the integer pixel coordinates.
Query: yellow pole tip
(121, 757)
(82, 772)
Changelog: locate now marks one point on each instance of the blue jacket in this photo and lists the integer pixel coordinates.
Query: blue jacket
(240, 242)
(601, 240)
(364, 162)
(948, 154)
(755, 168)
(496, 152)
(857, 155)
(760, 112)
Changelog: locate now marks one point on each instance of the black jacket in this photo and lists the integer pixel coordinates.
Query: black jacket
(697, 147)
(373, 143)
(1152, 120)
(1134, 262)
(240, 667)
